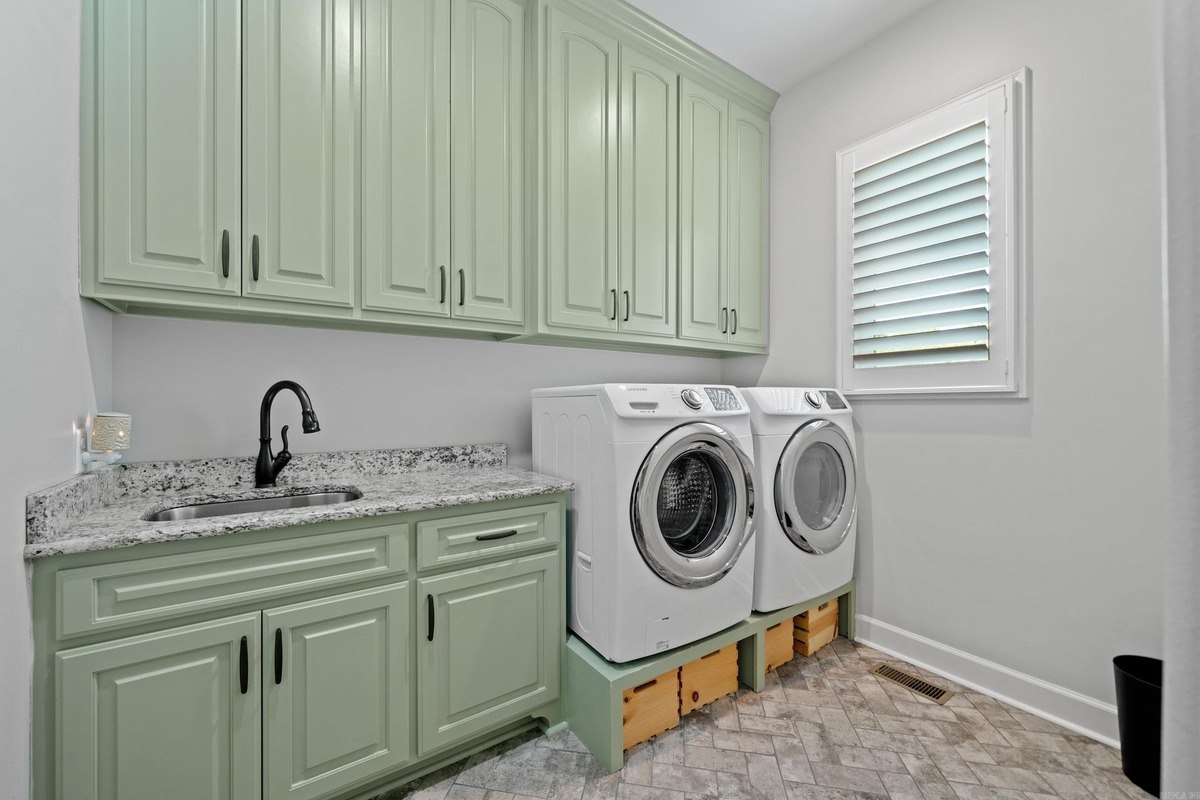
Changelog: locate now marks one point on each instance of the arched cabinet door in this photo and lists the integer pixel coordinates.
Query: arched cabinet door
(581, 175)
(703, 213)
(487, 112)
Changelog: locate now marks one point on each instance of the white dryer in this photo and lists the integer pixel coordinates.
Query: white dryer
(662, 518)
(804, 455)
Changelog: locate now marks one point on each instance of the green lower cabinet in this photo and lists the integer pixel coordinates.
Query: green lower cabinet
(489, 649)
(337, 683)
(162, 715)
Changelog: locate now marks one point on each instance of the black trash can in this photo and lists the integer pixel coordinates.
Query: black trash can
(1139, 717)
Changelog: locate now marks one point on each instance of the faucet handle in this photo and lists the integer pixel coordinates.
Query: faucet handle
(284, 456)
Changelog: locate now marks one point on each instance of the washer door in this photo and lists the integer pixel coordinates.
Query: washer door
(692, 506)
(815, 488)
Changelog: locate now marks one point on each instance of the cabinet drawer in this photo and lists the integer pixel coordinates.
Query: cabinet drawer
(128, 593)
(475, 537)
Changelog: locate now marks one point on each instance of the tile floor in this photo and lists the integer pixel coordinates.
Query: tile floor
(824, 728)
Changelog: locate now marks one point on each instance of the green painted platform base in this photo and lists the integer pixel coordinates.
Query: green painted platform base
(593, 687)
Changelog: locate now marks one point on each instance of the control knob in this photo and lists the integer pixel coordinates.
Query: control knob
(692, 398)
(813, 399)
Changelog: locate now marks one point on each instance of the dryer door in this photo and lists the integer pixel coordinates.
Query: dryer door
(815, 487)
(692, 506)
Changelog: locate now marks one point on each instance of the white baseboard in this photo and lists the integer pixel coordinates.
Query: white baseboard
(1059, 705)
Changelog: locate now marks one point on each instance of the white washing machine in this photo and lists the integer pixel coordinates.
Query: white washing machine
(804, 455)
(662, 519)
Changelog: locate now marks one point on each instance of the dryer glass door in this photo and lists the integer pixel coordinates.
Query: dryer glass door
(692, 506)
(815, 487)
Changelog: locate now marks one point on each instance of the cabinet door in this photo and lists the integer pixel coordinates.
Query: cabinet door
(162, 715)
(703, 213)
(581, 164)
(487, 91)
(337, 691)
(167, 144)
(406, 156)
(300, 192)
(748, 156)
(649, 140)
(489, 646)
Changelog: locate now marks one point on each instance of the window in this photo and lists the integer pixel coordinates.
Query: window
(929, 250)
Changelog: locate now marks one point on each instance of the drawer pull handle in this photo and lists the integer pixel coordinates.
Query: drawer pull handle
(462, 288)
(614, 299)
(491, 537)
(724, 320)
(442, 283)
(626, 307)
(734, 331)
(244, 665)
(278, 656)
(225, 254)
(254, 257)
(429, 611)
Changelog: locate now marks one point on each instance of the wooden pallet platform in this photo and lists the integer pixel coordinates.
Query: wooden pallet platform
(650, 708)
(593, 690)
(816, 627)
(708, 678)
(779, 644)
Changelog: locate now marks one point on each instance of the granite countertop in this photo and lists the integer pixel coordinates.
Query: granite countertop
(106, 509)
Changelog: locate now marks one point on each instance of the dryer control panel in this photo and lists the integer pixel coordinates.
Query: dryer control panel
(675, 400)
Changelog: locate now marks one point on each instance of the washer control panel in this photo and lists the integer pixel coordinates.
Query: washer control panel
(675, 401)
(813, 398)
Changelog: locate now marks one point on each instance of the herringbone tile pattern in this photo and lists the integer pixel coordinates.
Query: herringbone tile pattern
(824, 729)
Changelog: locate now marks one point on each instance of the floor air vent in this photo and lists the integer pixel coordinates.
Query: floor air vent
(911, 682)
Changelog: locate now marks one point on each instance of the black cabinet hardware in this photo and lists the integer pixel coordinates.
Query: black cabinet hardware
(491, 537)
(442, 284)
(626, 306)
(462, 288)
(614, 294)
(734, 331)
(225, 254)
(278, 656)
(724, 320)
(254, 257)
(429, 612)
(244, 665)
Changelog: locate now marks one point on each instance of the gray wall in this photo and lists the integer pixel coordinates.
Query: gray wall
(1026, 533)
(51, 338)
(1181, 699)
(194, 387)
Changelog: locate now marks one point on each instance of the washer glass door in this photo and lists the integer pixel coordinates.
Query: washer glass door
(815, 487)
(692, 506)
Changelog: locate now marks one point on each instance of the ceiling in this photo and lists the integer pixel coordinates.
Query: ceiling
(780, 42)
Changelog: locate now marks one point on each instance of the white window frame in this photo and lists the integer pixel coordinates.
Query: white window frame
(1003, 374)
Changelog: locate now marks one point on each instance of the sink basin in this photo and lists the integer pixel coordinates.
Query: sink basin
(222, 508)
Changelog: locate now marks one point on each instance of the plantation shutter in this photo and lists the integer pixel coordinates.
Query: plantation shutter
(920, 285)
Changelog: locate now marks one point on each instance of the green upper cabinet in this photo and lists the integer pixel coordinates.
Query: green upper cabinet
(581, 174)
(649, 157)
(406, 156)
(703, 213)
(165, 143)
(487, 112)
(337, 678)
(299, 238)
(549, 170)
(490, 646)
(165, 715)
(749, 153)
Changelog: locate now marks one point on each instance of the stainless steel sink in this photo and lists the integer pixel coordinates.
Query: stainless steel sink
(222, 508)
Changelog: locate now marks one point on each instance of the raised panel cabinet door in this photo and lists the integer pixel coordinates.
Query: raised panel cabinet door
(406, 156)
(487, 91)
(581, 167)
(749, 152)
(336, 673)
(649, 187)
(703, 213)
(165, 715)
(166, 141)
(488, 646)
(299, 191)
